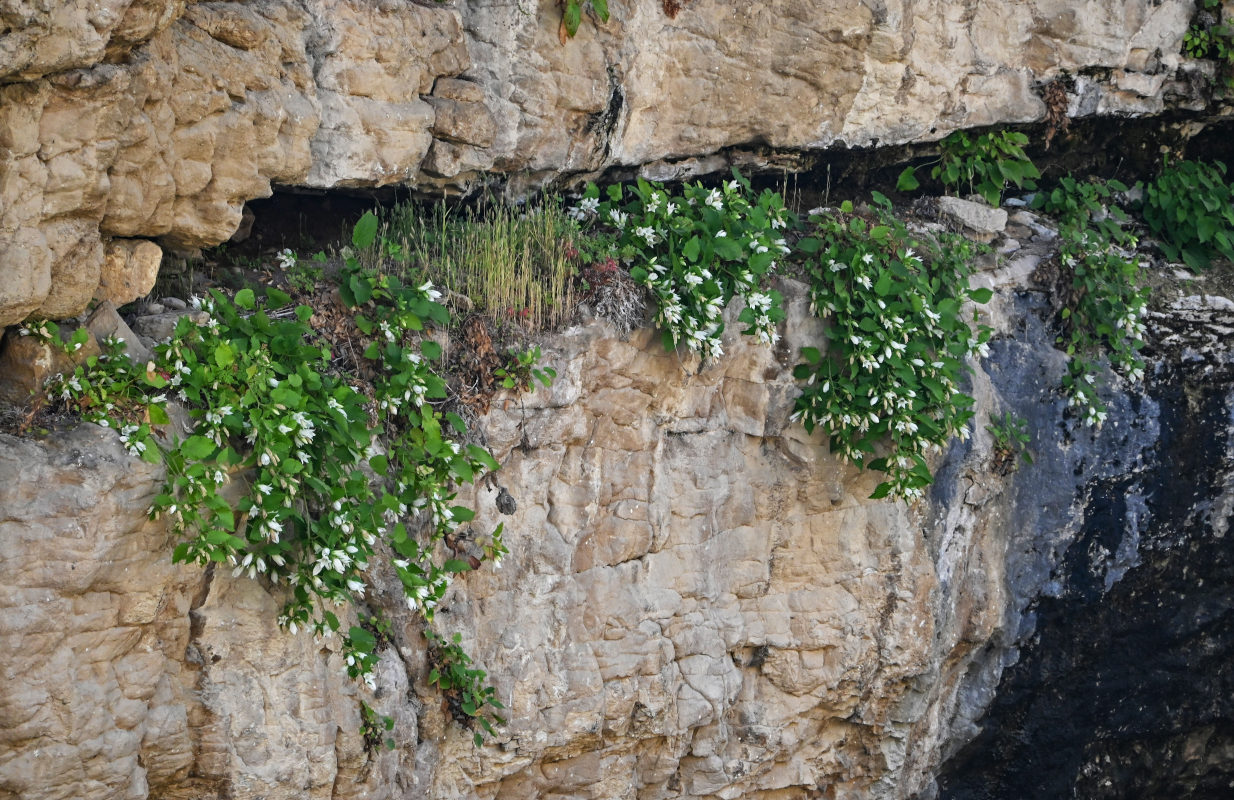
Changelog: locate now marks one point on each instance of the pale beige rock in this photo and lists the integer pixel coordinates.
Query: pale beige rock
(129, 270)
(25, 275)
(127, 676)
(95, 625)
(76, 261)
(465, 122)
(105, 323)
(160, 118)
(52, 37)
(974, 216)
(28, 363)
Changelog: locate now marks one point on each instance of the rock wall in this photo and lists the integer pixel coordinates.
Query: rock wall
(158, 119)
(699, 600)
(1124, 688)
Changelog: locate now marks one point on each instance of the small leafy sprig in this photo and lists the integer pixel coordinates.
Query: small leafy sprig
(374, 728)
(1011, 438)
(572, 16)
(897, 344)
(985, 164)
(521, 370)
(1209, 37)
(108, 389)
(471, 700)
(696, 251)
(1105, 303)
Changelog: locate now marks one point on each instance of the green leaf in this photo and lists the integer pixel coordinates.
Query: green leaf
(245, 299)
(572, 16)
(276, 298)
(456, 565)
(462, 470)
(982, 295)
(361, 289)
(691, 249)
(365, 231)
(483, 456)
(158, 414)
(430, 349)
(907, 182)
(728, 249)
(362, 639)
(601, 7)
(224, 356)
(197, 448)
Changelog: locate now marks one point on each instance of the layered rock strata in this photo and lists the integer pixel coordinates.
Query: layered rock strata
(158, 119)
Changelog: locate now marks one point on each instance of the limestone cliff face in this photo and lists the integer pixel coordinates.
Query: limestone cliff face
(159, 118)
(700, 602)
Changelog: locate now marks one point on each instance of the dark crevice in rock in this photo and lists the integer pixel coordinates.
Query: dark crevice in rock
(604, 123)
(1127, 149)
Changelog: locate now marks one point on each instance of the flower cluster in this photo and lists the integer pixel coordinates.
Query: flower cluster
(324, 471)
(110, 390)
(695, 252)
(898, 345)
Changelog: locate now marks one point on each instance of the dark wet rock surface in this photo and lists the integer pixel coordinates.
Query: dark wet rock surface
(1124, 685)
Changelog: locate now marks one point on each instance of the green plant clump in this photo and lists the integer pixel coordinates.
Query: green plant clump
(374, 727)
(1011, 438)
(522, 372)
(302, 446)
(1210, 38)
(572, 15)
(463, 684)
(696, 251)
(1104, 307)
(897, 344)
(512, 264)
(1190, 208)
(984, 164)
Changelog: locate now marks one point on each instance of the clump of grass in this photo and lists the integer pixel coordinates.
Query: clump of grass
(515, 264)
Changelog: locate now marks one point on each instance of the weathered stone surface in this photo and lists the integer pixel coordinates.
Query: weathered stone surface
(27, 363)
(41, 38)
(25, 274)
(130, 268)
(106, 323)
(126, 676)
(1124, 689)
(160, 327)
(978, 218)
(160, 118)
(95, 624)
(465, 122)
(699, 601)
